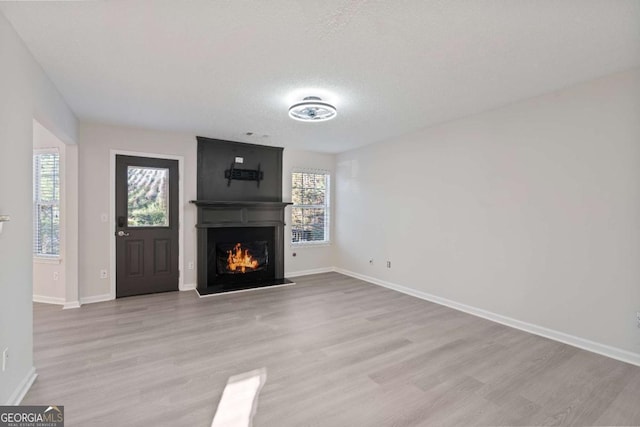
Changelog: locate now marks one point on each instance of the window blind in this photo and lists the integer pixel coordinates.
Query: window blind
(46, 203)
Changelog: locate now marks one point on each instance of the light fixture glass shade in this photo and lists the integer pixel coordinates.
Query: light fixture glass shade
(312, 109)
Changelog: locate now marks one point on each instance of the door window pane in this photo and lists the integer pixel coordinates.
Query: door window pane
(147, 197)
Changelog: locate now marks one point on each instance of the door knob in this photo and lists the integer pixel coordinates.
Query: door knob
(122, 234)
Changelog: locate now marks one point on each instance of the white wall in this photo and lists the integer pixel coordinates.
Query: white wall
(71, 226)
(531, 211)
(26, 93)
(308, 258)
(95, 143)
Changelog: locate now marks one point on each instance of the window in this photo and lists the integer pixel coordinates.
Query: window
(310, 211)
(46, 203)
(147, 196)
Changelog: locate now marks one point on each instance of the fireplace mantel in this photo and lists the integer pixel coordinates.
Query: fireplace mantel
(216, 203)
(212, 213)
(232, 204)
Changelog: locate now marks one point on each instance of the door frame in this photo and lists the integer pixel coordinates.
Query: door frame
(112, 214)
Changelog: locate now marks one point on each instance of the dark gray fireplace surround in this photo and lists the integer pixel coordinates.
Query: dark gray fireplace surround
(239, 200)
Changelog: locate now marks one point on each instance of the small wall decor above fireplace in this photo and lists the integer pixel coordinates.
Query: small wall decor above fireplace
(240, 224)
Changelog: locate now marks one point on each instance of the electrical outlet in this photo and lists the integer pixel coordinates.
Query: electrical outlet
(5, 358)
(388, 264)
(56, 276)
(190, 265)
(104, 274)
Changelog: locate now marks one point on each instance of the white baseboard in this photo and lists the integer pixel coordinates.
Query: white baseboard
(96, 298)
(187, 286)
(55, 300)
(585, 344)
(48, 300)
(71, 304)
(22, 388)
(309, 272)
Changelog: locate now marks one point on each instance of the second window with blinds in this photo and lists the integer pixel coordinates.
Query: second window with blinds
(310, 210)
(46, 203)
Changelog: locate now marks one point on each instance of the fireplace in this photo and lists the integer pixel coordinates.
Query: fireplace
(240, 245)
(240, 222)
(240, 258)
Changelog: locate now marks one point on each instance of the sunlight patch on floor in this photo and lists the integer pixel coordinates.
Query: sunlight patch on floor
(239, 399)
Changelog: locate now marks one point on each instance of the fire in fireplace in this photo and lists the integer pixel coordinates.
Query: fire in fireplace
(241, 258)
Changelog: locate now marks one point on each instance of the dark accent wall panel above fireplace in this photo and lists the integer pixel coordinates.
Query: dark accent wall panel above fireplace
(215, 157)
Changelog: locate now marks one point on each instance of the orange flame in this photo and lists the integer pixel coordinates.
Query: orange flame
(239, 258)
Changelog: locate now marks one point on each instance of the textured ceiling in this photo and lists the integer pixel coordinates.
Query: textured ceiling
(225, 68)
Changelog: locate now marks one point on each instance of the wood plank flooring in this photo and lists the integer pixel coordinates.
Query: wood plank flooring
(338, 352)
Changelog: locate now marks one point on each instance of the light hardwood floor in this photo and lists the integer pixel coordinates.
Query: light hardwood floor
(338, 352)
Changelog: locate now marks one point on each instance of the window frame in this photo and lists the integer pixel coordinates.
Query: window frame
(326, 206)
(39, 256)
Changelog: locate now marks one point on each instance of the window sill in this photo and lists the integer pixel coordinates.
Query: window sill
(310, 244)
(47, 260)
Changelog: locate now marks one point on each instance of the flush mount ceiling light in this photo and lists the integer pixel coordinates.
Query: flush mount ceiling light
(312, 109)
